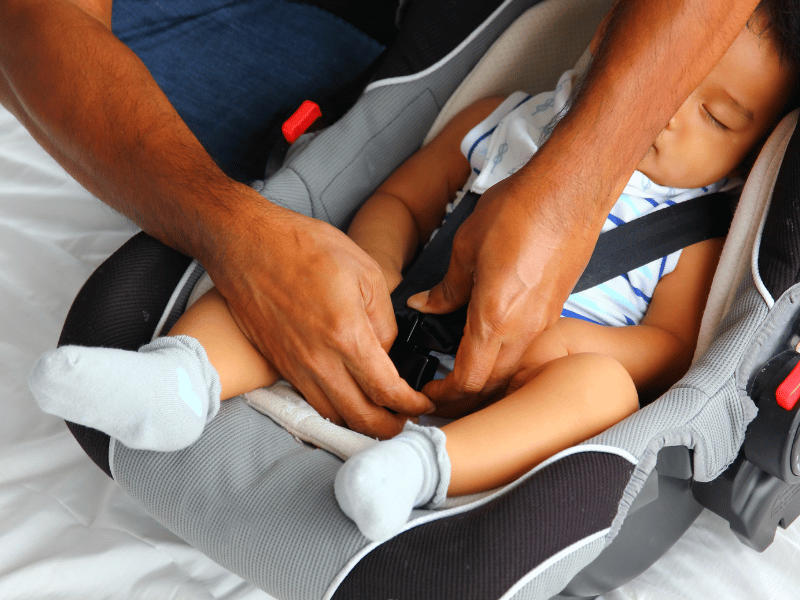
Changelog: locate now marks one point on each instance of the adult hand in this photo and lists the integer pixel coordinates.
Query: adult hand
(318, 308)
(516, 259)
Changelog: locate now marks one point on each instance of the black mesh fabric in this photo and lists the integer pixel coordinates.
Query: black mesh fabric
(119, 306)
(430, 30)
(779, 252)
(480, 554)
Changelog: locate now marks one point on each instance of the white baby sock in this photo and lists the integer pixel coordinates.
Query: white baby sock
(379, 486)
(159, 398)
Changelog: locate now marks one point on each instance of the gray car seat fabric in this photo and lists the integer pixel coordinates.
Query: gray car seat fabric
(261, 503)
(336, 171)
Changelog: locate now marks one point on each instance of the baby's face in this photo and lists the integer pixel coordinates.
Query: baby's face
(723, 118)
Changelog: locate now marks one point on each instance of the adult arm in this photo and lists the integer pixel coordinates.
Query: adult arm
(517, 258)
(312, 302)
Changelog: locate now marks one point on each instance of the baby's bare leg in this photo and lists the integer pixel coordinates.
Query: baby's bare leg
(565, 402)
(241, 367)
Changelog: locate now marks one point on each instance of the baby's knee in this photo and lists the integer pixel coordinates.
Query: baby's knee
(610, 379)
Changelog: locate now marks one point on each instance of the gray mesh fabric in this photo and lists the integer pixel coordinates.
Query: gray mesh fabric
(704, 410)
(253, 498)
(708, 410)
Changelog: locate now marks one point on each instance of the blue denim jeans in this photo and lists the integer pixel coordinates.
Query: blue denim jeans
(231, 67)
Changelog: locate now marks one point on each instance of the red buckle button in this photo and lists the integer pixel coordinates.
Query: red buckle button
(788, 392)
(301, 120)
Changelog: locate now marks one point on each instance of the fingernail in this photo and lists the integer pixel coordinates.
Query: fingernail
(419, 300)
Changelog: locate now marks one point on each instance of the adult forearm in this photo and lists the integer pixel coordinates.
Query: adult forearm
(92, 104)
(653, 54)
(312, 302)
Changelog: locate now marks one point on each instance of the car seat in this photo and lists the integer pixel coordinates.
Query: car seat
(261, 503)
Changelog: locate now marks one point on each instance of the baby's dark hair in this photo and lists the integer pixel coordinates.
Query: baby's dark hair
(780, 23)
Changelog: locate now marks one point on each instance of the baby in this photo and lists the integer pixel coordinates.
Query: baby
(576, 379)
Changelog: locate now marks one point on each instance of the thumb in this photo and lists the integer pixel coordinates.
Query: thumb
(448, 295)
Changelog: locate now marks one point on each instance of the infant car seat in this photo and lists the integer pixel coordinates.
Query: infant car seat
(259, 502)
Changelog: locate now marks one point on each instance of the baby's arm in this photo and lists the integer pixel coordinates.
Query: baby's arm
(656, 352)
(410, 204)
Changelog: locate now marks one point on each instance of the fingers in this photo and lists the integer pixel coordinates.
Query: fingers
(331, 379)
(370, 364)
(355, 388)
(454, 289)
(381, 383)
(341, 400)
(348, 377)
(380, 313)
(498, 330)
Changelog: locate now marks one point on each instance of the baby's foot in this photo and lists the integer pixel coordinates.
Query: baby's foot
(159, 398)
(378, 487)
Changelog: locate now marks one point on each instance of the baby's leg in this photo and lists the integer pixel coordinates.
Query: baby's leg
(565, 402)
(239, 364)
(161, 397)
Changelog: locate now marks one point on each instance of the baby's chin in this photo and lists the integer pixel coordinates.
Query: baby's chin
(673, 180)
(648, 167)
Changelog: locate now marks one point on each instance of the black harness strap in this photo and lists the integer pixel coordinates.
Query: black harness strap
(617, 251)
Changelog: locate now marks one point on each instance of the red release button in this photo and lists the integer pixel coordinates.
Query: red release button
(301, 120)
(788, 392)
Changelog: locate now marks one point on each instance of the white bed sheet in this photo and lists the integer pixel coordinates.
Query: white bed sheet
(67, 531)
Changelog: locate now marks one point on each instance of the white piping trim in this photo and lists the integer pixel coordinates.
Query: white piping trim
(580, 449)
(551, 561)
(442, 61)
(174, 298)
(754, 273)
(593, 448)
(345, 570)
(112, 443)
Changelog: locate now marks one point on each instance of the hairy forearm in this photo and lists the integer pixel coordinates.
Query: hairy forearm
(654, 53)
(92, 104)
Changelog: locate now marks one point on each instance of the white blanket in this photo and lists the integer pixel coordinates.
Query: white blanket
(68, 532)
